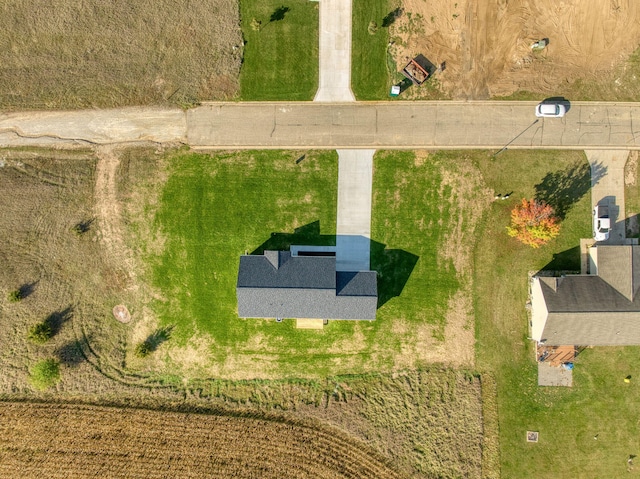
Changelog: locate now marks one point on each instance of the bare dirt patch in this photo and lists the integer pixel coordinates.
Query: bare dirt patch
(486, 44)
(107, 209)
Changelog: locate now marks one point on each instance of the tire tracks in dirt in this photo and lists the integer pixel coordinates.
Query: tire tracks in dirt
(109, 215)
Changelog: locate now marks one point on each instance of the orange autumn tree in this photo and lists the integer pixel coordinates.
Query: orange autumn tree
(534, 223)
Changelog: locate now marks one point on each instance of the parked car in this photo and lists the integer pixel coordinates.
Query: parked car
(551, 109)
(601, 223)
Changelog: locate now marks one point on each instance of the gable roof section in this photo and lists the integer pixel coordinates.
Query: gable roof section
(597, 310)
(303, 287)
(619, 266)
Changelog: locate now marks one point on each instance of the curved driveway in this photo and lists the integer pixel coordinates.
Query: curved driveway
(410, 125)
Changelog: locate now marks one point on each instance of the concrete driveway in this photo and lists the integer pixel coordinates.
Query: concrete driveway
(355, 176)
(607, 188)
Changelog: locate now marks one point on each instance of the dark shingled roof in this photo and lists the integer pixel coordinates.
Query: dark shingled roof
(278, 285)
(595, 310)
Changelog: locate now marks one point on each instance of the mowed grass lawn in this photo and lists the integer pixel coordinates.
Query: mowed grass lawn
(369, 72)
(281, 50)
(589, 430)
(215, 208)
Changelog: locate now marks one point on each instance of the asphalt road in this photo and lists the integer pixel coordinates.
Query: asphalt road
(397, 124)
(411, 125)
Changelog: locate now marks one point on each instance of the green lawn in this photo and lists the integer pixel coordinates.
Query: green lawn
(281, 52)
(215, 208)
(600, 403)
(369, 72)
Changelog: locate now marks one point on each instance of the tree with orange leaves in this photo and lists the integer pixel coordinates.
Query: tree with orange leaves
(533, 223)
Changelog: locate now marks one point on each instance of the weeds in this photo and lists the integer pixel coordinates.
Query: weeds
(44, 374)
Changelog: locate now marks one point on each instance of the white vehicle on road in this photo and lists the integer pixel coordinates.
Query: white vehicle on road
(601, 223)
(551, 109)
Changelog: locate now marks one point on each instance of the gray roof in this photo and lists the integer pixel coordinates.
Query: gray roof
(595, 310)
(278, 285)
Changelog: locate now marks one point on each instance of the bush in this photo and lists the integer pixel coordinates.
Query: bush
(143, 349)
(40, 333)
(534, 223)
(15, 296)
(44, 374)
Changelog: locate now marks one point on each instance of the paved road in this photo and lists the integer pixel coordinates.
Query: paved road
(335, 51)
(345, 125)
(355, 176)
(607, 187)
(412, 125)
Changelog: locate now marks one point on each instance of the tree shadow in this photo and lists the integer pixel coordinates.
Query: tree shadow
(71, 354)
(27, 289)
(391, 17)
(393, 266)
(159, 336)
(563, 188)
(83, 226)
(57, 319)
(279, 14)
(568, 260)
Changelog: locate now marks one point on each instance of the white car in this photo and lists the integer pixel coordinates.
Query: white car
(551, 110)
(601, 223)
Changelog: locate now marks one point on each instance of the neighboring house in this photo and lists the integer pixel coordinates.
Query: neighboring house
(601, 308)
(280, 285)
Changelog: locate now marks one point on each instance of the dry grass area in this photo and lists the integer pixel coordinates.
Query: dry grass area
(486, 44)
(58, 441)
(43, 197)
(430, 422)
(78, 54)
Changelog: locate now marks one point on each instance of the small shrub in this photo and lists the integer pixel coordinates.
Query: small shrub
(372, 28)
(44, 374)
(15, 296)
(256, 25)
(40, 333)
(143, 349)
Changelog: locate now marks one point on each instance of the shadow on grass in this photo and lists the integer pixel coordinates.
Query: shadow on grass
(57, 319)
(71, 354)
(562, 189)
(279, 14)
(568, 260)
(27, 289)
(83, 226)
(159, 336)
(393, 266)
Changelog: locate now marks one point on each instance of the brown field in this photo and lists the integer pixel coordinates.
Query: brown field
(77, 54)
(59, 441)
(486, 45)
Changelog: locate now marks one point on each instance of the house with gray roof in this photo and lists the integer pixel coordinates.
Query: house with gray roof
(601, 308)
(279, 284)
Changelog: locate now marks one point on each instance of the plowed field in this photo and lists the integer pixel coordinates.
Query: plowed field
(62, 441)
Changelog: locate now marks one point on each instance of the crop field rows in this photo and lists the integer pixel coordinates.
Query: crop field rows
(56, 441)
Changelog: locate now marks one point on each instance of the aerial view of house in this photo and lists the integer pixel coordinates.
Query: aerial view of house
(319, 239)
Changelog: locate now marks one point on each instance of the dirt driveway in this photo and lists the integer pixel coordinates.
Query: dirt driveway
(486, 44)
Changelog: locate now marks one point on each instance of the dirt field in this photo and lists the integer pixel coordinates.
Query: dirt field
(57, 441)
(78, 54)
(486, 44)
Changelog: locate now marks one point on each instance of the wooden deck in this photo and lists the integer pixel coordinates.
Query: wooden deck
(555, 355)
